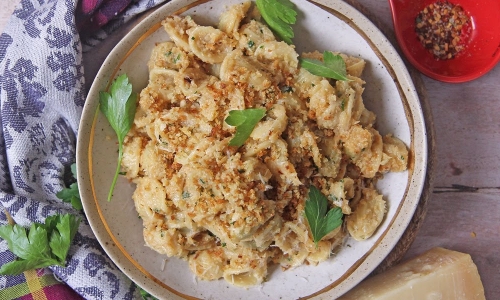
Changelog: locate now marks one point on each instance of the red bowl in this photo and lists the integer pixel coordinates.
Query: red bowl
(480, 55)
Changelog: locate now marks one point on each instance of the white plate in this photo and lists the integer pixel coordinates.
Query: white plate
(389, 92)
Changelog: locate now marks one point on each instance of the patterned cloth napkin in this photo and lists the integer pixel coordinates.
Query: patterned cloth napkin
(42, 93)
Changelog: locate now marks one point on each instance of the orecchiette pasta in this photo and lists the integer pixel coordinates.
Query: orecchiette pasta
(231, 211)
(368, 214)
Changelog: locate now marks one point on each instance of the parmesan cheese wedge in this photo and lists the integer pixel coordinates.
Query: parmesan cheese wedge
(437, 274)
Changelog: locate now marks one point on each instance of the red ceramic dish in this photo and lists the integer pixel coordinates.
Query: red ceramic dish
(480, 55)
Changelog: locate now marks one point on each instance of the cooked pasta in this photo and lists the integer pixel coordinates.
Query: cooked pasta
(232, 211)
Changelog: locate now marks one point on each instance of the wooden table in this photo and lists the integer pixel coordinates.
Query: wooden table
(463, 211)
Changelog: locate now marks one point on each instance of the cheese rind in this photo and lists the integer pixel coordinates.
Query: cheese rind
(438, 274)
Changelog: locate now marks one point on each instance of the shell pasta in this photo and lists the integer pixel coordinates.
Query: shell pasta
(231, 211)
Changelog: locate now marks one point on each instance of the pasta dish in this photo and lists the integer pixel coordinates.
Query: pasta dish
(231, 211)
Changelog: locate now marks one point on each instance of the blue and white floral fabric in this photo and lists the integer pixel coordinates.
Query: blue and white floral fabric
(42, 95)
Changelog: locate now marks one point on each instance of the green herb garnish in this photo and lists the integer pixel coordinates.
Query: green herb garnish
(245, 121)
(279, 15)
(145, 295)
(332, 66)
(119, 108)
(71, 194)
(320, 222)
(41, 246)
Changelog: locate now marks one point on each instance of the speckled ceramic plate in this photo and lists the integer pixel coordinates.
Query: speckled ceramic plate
(324, 25)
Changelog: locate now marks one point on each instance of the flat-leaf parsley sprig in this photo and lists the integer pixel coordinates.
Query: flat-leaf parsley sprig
(40, 246)
(332, 66)
(320, 221)
(279, 15)
(71, 194)
(119, 107)
(245, 121)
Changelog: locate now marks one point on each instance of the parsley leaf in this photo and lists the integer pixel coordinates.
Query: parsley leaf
(332, 66)
(279, 15)
(41, 246)
(320, 222)
(62, 230)
(145, 295)
(119, 108)
(245, 121)
(71, 194)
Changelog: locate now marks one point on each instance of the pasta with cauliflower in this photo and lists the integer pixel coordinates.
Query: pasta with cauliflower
(230, 211)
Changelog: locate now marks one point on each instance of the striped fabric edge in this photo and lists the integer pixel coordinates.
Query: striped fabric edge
(33, 287)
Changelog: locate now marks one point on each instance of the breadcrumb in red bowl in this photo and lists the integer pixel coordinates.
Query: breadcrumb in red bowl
(444, 46)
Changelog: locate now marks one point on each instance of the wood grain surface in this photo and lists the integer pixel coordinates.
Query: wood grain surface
(462, 210)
